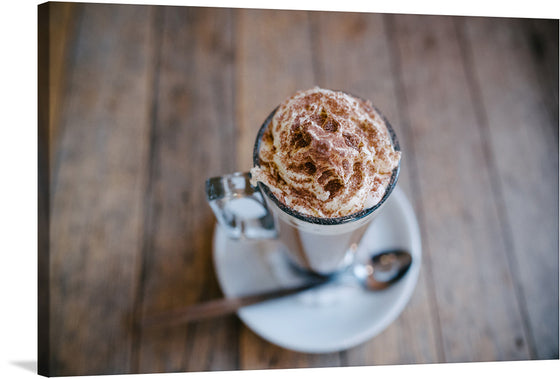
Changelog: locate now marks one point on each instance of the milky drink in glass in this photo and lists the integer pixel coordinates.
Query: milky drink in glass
(324, 164)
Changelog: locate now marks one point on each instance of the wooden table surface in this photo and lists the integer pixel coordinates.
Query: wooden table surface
(143, 103)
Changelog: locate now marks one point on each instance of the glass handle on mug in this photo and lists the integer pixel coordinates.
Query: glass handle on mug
(239, 207)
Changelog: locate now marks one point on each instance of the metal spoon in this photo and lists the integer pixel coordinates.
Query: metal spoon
(383, 269)
(379, 272)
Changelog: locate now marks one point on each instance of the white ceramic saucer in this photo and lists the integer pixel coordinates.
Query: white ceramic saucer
(333, 317)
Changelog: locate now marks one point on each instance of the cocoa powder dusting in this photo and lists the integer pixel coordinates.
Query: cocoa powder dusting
(326, 154)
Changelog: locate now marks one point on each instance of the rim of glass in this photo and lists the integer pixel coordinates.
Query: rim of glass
(327, 220)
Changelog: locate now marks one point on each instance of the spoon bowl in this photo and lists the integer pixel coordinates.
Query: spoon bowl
(383, 269)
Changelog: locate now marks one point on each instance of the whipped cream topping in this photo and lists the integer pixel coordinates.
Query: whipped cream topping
(326, 154)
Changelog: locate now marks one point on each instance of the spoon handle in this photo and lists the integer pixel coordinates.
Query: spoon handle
(218, 307)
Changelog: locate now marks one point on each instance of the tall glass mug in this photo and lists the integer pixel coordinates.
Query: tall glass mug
(321, 246)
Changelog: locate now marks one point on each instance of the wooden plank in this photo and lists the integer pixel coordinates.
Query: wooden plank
(480, 317)
(542, 36)
(273, 60)
(193, 130)
(43, 189)
(257, 354)
(354, 54)
(61, 34)
(97, 192)
(522, 133)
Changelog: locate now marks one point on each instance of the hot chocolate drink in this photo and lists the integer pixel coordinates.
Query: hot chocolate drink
(324, 164)
(326, 154)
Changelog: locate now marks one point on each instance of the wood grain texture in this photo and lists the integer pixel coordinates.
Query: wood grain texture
(541, 43)
(97, 193)
(479, 314)
(43, 193)
(191, 141)
(63, 19)
(522, 135)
